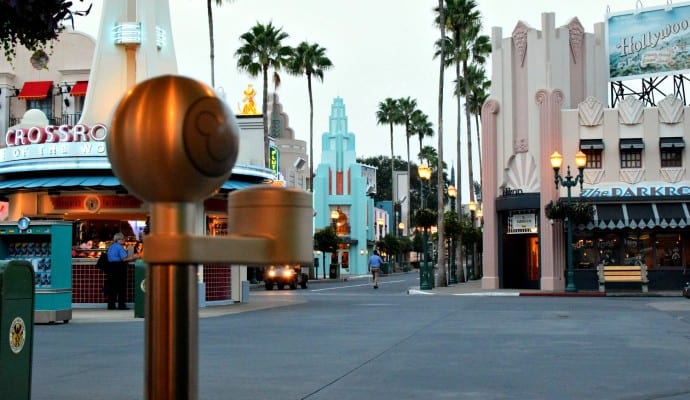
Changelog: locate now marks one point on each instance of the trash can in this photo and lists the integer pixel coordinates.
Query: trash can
(139, 289)
(334, 272)
(384, 268)
(425, 276)
(16, 328)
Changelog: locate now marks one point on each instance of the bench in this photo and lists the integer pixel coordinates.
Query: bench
(624, 274)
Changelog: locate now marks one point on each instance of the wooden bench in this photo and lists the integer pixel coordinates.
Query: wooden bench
(624, 274)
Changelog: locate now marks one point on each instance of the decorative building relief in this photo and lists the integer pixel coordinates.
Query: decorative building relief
(522, 173)
(630, 111)
(671, 175)
(670, 110)
(630, 176)
(520, 145)
(591, 112)
(520, 41)
(593, 176)
(577, 35)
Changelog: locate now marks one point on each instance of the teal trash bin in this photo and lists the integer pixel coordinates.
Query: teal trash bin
(334, 271)
(17, 327)
(139, 289)
(425, 276)
(384, 268)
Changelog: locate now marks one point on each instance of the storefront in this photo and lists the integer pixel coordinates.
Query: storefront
(71, 181)
(630, 230)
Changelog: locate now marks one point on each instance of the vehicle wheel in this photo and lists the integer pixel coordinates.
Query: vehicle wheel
(269, 285)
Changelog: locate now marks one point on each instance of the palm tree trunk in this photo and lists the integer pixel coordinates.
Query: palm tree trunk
(458, 250)
(311, 136)
(264, 106)
(442, 280)
(409, 178)
(479, 146)
(210, 34)
(470, 168)
(393, 199)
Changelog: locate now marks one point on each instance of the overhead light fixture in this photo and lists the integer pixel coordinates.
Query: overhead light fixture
(127, 33)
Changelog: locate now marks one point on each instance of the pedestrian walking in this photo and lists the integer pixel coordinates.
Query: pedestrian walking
(375, 262)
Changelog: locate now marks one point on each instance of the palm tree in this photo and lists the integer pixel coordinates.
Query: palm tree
(310, 60)
(406, 107)
(421, 127)
(459, 16)
(475, 100)
(209, 7)
(261, 50)
(480, 46)
(442, 280)
(388, 114)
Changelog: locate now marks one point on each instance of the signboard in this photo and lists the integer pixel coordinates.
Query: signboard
(369, 174)
(523, 221)
(648, 189)
(274, 159)
(648, 41)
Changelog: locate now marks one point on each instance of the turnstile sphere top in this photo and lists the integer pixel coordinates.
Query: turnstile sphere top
(172, 139)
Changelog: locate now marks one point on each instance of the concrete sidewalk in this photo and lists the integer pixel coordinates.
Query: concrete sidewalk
(474, 288)
(470, 288)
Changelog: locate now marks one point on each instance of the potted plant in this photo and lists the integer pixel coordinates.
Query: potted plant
(555, 210)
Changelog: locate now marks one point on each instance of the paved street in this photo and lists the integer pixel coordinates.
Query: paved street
(345, 340)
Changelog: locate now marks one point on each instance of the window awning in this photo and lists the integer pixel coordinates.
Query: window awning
(671, 142)
(640, 216)
(591, 144)
(627, 144)
(79, 88)
(35, 90)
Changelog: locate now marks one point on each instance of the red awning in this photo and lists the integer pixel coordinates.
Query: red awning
(79, 88)
(35, 90)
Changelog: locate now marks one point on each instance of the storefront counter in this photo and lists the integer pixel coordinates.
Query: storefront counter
(88, 282)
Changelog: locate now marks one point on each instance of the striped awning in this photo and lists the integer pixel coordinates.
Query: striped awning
(35, 90)
(640, 216)
(65, 182)
(79, 88)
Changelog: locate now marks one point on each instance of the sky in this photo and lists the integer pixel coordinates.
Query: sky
(379, 49)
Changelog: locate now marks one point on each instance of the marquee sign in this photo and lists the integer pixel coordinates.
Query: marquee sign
(649, 189)
(648, 41)
(54, 142)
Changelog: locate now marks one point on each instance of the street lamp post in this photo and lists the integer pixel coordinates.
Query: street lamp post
(425, 277)
(453, 277)
(569, 181)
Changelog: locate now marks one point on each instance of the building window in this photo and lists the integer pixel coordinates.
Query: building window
(593, 158)
(671, 157)
(631, 158)
(45, 105)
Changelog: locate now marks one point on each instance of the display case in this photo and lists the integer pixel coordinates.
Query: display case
(47, 246)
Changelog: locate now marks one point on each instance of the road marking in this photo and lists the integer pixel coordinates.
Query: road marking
(352, 286)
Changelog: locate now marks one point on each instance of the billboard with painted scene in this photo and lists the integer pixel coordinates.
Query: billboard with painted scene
(648, 42)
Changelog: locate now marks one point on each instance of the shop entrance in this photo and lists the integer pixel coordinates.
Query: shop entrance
(521, 261)
(340, 259)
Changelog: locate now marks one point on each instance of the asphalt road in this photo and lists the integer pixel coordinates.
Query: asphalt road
(345, 340)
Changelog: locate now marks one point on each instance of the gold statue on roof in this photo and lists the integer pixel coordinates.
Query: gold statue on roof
(248, 105)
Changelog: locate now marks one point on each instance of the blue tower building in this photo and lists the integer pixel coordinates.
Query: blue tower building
(341, 196)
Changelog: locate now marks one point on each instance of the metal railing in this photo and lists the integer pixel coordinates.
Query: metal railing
(64, 119)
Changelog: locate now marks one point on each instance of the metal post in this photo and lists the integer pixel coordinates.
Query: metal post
(571, 268)
(569, 181)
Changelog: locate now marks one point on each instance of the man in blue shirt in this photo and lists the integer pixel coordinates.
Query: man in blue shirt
(375, 262)
(116, 283)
